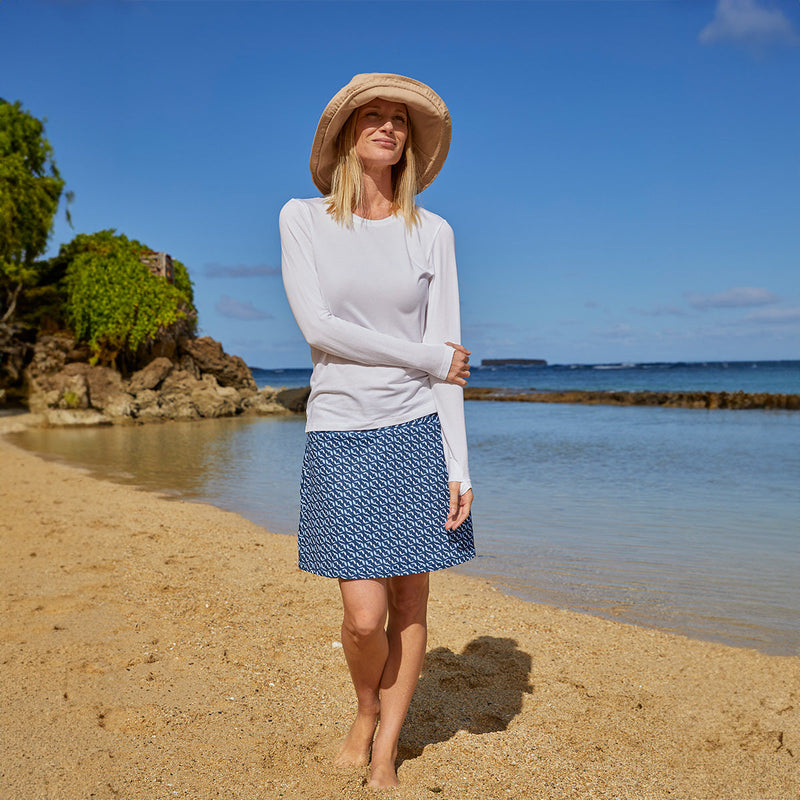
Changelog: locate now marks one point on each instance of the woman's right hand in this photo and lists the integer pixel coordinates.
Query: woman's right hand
(460, 505)
(459, 366)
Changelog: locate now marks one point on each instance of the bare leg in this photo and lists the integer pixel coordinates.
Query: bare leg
(366, 648)
(407, 635)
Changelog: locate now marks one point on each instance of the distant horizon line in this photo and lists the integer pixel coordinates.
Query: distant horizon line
(622, 364)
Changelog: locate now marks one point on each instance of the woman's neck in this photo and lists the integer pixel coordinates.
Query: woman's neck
(378, 195)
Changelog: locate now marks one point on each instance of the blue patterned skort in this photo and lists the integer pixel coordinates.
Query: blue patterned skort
(373, 503)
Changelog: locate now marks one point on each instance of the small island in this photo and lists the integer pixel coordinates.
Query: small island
(513, 362)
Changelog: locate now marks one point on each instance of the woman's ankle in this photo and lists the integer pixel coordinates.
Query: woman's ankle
(370, 708)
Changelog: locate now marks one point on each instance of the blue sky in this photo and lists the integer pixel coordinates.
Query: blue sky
(624, 177)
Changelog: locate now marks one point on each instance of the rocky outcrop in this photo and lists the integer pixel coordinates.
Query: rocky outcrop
(152, 375)
(14, 357)
(185, 397)
(710, 400)
(199, 381)
(265, 403)
(294, 399)
(166, 345)
(63, 417)
(210, 359)
(59, 377)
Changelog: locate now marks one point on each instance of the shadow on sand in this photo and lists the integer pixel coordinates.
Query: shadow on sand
(479, 690)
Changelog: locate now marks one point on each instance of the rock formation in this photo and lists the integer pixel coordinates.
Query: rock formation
(198, 380)
(210, 359)
(15, 353)
(710, 400)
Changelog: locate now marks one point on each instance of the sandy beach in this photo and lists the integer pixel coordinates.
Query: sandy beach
(153, 648)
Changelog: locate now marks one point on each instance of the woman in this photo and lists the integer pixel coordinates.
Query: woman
(385, 494)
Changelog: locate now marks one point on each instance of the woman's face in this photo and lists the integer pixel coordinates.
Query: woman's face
(381, 132)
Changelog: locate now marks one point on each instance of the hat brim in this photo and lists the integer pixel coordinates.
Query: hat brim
(430, 123)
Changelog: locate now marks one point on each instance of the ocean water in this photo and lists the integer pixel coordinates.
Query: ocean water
(686, 522)
(777, 377)
(682, 519)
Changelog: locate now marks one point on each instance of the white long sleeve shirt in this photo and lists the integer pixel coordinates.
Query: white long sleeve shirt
(376, 303)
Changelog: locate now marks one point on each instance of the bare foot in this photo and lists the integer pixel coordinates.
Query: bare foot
(382, 777)
(382, 774)
(354, 751)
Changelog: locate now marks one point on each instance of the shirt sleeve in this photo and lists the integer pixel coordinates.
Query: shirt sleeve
(331, 334)
(443, 324)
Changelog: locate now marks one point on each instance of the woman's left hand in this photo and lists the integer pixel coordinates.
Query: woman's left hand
(460, 505)
(459, 366)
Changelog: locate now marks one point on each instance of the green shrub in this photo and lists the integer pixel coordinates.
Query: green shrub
(70, 400)
(114, 303)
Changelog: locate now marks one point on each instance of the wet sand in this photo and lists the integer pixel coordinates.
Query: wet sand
(153, 648)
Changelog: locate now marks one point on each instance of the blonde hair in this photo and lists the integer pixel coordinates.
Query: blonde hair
(347, 182)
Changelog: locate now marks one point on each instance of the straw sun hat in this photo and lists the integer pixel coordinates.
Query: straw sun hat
(430, 123)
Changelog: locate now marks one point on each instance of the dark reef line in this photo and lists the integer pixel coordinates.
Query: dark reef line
(710, 400)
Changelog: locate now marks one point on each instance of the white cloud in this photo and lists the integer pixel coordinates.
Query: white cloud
(736, 297)
(748, 23)
(775, 315)
(236, 309)
(240, 271)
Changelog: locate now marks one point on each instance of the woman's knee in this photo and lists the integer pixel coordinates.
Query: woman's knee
(363, 623)
(365, 607)
(408, 597)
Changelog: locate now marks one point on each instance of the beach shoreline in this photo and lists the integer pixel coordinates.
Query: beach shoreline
(160, 648)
